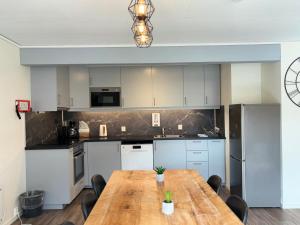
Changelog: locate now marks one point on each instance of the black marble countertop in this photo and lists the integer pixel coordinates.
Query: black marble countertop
(72, 143)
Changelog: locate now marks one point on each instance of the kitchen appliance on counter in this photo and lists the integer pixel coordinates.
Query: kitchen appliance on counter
(105, 97)
(103, 130)
(137, 155)
(255, 173)
(73, 130)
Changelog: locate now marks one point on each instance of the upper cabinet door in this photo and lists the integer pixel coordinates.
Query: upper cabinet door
(168, 86)
(194, 86)
(105, 77)
(79, 87)
(136, 87)
(63, 86)
(212, 85)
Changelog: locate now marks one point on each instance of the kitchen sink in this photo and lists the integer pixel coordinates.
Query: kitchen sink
(159, 136)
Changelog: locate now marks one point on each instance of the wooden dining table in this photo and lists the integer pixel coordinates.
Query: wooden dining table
(135, 198)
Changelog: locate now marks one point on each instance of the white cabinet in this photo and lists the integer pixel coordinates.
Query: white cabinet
(49, 88)
(105, 76)
(212, 85)
(194, 86)
(79, 87)
(63, 86)
(168, 86)
(103, 158)
(201, 167)
(51, 170)
(170, 154)
(136, 85)
(217, 158)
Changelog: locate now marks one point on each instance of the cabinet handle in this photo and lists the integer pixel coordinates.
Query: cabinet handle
(91, 81)
(154, 103)
(185, 100)
(197, 163)
(197, 152)
(122, 102)
(205, 99)
(197, 141)
(216, 141)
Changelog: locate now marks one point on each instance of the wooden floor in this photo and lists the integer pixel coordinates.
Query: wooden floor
(257, 216)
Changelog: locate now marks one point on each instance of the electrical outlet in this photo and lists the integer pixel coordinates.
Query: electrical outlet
(123, 128)
(179, 126)
(16, 211)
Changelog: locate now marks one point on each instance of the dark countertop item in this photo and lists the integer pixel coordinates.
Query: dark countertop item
(125, 139)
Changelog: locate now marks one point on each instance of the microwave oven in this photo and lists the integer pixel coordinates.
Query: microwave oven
(105, 97)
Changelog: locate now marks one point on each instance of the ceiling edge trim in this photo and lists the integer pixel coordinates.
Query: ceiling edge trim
(7, 39)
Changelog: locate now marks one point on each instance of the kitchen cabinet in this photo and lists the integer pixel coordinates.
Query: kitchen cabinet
(105, 76)
(167, 86)
(79, 87)
(136, 85)
(217, 158)
(103, 158)
(212, 85)
(52, 171)
(49, 88)
(170, 154)
(201, 167)
(193, 86)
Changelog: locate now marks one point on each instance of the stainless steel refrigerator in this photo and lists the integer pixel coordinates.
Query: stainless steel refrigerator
(255, 167)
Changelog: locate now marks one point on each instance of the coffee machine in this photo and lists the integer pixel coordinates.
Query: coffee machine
(73, 130)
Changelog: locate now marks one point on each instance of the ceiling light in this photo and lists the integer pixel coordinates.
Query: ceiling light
(141, 12)
(142, 9)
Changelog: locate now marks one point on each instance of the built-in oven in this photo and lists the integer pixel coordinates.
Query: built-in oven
(105, 97)
(78, 157)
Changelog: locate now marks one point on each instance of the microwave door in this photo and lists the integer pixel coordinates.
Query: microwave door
(105, 99)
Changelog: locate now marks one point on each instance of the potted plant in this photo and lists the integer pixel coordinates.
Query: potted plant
(160, 173)
(168, 204)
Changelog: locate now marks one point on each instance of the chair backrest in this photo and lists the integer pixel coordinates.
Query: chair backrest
(87, 204)
(239, 207)
(67, 223)
(98, 184)
(215, 183)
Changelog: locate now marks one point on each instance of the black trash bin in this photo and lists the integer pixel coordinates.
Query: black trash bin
(32, 203)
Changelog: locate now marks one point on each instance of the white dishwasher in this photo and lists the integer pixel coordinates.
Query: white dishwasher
(137, 155)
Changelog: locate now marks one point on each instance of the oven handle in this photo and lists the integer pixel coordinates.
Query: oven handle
(76, 155)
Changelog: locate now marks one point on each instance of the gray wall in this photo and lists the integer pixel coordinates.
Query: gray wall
(153, 55)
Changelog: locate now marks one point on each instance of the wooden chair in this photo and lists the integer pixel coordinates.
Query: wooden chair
(98, 184)
(239, 207)
(215, 183)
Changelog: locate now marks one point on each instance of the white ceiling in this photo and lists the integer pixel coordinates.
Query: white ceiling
(176, 22)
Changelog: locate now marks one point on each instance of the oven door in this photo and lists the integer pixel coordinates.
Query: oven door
(105, 98)
(78, 166)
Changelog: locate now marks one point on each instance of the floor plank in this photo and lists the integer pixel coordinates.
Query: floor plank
(257, 216)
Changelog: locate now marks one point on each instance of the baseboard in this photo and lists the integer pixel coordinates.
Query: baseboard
(10, 221)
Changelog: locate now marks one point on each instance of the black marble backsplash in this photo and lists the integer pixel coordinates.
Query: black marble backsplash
(41, 128)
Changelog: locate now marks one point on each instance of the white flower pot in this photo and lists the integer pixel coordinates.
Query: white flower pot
(167, 208)
(160, 177)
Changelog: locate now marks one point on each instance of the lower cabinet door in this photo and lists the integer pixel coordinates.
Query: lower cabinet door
(201, 167)
(170, 154)
(103, 159)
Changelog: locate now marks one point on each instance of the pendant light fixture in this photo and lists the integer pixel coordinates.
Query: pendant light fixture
(141, 12)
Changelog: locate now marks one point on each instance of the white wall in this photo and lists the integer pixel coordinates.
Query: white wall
(14, 84)
(290, 135)
(246, 83)
(270, 82)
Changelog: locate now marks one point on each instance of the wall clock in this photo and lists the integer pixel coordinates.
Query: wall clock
(292, 82)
